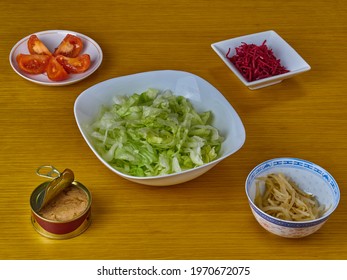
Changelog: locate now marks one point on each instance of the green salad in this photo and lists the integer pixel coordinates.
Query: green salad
(154, 133)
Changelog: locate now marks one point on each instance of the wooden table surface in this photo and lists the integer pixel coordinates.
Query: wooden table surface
(209, 217)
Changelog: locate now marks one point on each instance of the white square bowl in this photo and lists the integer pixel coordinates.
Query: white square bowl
(289, 58)
(202, 95)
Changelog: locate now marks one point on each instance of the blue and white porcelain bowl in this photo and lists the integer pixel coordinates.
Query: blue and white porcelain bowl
(311, 178)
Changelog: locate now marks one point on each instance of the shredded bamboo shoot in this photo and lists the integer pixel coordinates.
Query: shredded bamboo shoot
(283, 199)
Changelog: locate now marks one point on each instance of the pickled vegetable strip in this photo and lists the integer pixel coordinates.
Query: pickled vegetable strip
(256, 62)
(283, 199)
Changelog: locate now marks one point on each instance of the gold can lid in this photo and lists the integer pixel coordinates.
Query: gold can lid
(59, 183)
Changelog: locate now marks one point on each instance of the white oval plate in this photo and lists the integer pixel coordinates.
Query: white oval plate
(52, 39)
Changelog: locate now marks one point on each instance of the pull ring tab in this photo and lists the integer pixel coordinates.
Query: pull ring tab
(59, 183)
(48, 171)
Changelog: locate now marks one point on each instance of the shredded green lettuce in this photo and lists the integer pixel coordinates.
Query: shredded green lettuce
(154, 133)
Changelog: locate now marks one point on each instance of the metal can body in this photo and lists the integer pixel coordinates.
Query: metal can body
(60, 229)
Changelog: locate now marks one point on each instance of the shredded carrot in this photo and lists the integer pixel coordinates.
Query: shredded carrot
(256, 62)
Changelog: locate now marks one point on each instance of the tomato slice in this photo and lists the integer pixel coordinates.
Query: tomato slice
(55, 71)
(36, 46)
(33, 63)
(77, 64)
(71, 46)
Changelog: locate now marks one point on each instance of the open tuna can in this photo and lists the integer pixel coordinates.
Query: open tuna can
(61, 207)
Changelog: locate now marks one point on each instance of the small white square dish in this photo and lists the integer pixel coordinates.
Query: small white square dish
(201, 94)
(287, 56)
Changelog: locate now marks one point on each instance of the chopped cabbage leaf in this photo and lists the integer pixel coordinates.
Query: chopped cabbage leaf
(154, 133)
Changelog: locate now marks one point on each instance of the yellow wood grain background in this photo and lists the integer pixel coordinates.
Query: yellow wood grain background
(209, 217)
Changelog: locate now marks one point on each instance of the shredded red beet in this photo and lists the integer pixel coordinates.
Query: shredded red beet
(256, 62)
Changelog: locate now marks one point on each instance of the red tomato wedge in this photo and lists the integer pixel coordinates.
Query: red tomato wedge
(74, 65)
(36, 46)
(71, 46)
(33, 63)
(55, 71)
